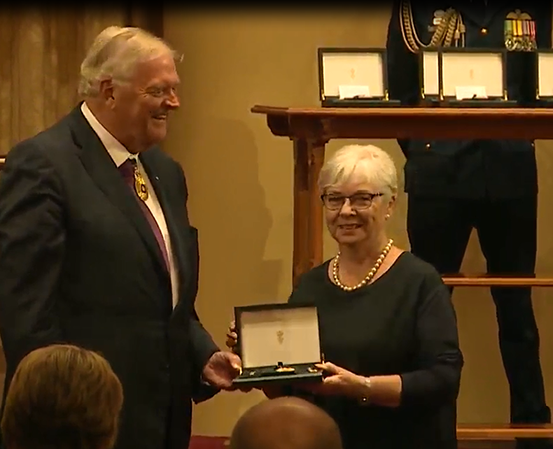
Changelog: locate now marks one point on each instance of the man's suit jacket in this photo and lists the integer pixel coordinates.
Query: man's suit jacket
(468, 169)
(80, 264)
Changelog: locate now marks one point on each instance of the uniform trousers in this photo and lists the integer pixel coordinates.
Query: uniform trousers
(439, 230)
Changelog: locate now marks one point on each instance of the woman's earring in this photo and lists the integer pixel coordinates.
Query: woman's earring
(387, 216)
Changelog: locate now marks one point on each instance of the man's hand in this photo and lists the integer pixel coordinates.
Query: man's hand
(221, 369)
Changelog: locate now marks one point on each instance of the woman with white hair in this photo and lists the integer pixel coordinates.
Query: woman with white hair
(387, 324)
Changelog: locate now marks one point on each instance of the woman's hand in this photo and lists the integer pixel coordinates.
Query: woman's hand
(339, 382)
(232, 337)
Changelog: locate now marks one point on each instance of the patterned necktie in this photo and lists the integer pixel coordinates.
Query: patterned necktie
(128, 170)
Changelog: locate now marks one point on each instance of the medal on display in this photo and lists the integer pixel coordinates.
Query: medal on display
(519, 31)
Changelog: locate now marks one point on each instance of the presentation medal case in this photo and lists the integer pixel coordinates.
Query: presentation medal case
(278, 343)
(353, 77)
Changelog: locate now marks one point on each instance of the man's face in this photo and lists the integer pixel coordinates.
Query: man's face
(141, 106)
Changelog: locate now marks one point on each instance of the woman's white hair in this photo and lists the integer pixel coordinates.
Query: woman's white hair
(360, 163)
(114, 54)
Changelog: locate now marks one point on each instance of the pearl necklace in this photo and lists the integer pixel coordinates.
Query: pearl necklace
(369, 276)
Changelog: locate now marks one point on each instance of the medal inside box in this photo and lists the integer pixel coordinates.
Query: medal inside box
(463, 77)
(353, 77)
(278, 343)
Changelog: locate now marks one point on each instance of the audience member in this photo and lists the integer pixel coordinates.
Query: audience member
(62, 397)
(285, 423)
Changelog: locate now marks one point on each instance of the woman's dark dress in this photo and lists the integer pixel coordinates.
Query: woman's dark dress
(403, 323)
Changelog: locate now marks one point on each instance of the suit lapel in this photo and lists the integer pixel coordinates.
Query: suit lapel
(105, 174)
(179, 243)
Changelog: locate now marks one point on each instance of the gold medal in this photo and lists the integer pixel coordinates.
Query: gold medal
(140, 186)
(285, 369)
(281, 368)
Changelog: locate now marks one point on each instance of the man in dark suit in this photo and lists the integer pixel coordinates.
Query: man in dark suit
(454, 186)
(96, 248)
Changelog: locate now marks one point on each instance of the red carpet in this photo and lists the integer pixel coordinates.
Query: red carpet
(204, 442)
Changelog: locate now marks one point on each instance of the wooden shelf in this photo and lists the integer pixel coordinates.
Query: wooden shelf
(311, 129)
(485, 280)
(503, 431)
(413, 123)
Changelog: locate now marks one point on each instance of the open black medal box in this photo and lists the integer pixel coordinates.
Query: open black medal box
(448, 77)
(544, 77)
(278, 344)
(353, 77)
(464, 77)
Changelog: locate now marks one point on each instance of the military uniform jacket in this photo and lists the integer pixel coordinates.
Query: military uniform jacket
(470, 169)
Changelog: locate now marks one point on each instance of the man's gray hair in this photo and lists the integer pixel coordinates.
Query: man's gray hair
(361, 163)
(114, 54)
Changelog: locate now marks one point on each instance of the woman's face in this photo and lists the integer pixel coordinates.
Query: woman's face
(356, 212)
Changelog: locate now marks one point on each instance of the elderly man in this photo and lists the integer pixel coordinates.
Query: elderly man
(96, 248)
(285, 423)
(62, 396)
